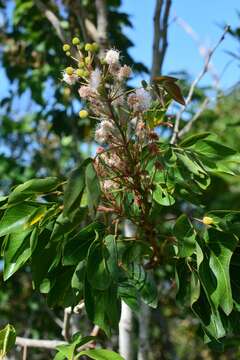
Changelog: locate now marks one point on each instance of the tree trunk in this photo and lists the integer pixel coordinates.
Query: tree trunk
(126, 321)
(144, 323)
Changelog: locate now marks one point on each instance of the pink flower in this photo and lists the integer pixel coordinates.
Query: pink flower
(124, 72)
(85, 91)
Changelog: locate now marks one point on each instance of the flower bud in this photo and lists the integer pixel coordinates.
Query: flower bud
(83, 114)
(75, 41)
(207, 220)
(81, 64)
(88, 47)
(66, 47)
(80, 72)
(87, 60)
(68, 53)
(95, 47)
(69, 70)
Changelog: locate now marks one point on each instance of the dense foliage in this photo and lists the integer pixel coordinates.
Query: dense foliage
(70, 232)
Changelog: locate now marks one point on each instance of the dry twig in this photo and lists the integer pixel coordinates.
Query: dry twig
(193, 86)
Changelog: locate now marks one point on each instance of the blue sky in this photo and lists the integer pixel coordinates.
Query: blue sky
(205, 17)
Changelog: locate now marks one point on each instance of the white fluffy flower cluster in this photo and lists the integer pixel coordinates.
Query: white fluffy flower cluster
(69, 79)
(104, 131)
(140, 100)
(112, 57)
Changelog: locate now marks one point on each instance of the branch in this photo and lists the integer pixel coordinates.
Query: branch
(203, 50)
(101, 11)
(190, 123)
(53, 20)
(160, 36)
(44, 344)
(193, 86)
(66, 323)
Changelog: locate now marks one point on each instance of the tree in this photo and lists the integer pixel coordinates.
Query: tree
(137, 176)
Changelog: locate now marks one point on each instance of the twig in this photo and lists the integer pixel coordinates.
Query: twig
(194, 84)
(44, 344)
(203, 50)
(66, 323)
(24, 357)
(190, 123)
(95, 330)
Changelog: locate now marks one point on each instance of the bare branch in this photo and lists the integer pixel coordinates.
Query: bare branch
(101, 11)
(160, 42)
(52, 18)
(66, 323)
(44, 344)
(190, 123)
(193, 86)
(203, 50)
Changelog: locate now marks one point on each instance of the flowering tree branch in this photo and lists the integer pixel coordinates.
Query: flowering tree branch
(194, 84)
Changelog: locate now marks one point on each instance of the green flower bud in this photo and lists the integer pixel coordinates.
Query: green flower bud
(81, 64)
(68, 53)
(88, 47)
(88, 60)
(69, 70)
(80, 72)
(75, 41)
(95, 47)
(86, 73)
(66, 47)
(83, 114)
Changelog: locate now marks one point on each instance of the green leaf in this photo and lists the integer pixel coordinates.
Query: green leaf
(222, 246)
(68, 351)
(191, 140)
(76, 248)
(100, 354)
(93, 188)
(212, 149)
(16, 218)
(103, 307)
(7, 339)
(16, 252)
(112, 258)
(33, 187)
(74, 188)
(97, 271)
(191, 165)
(162, 197)
(144, 283)
(185, 234)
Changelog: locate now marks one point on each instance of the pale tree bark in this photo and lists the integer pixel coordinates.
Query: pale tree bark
(160, 39)
(144, 328)
(126, 321)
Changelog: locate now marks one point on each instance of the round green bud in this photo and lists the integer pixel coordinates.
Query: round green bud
(83, 114)
(81, 64)
(68, 53)
(80, 72)
(88, 60)
(95, 47)
(86, 73)
(75, 41)
(88, 47)
(69, 70)
(66, 47)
